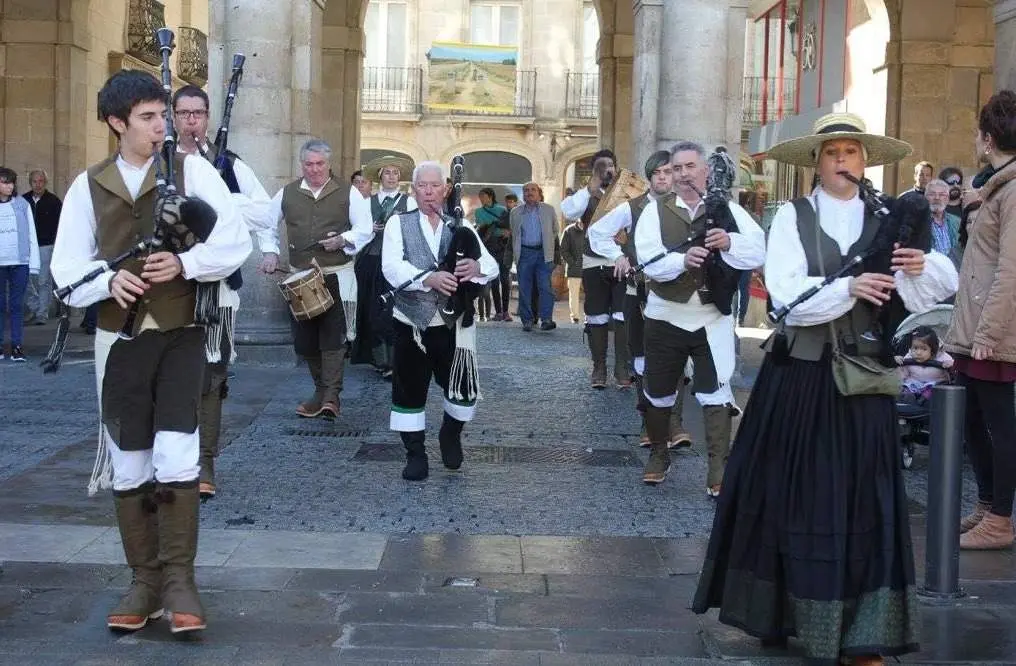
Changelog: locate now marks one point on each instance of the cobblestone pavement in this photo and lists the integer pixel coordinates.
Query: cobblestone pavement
(545, 549)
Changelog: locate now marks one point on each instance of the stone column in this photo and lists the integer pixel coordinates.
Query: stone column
(615, 62)
(342, 68)
(271, 118)
(701, 73)
(646, 79)
(1005, 44)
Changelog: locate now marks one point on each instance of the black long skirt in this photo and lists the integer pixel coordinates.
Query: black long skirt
(373, 320)
(811, 535)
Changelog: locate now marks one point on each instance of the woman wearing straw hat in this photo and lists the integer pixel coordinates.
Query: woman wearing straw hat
(810, 537)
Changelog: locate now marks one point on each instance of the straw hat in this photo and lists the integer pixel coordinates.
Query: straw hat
(803, 151)
(373, 168)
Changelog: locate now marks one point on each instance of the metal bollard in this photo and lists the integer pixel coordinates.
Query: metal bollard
(945, 477)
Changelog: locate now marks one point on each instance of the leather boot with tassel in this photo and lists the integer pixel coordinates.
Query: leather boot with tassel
(970, 521)
(717, 426)
(178, 546)
(622, 356)
(310, 409)
(139, 532)
(416, 468)
(598, 350)
(209, 426)
(450, 439)
(657, 422)
(679, 437)
(333, 366)
(994, 532)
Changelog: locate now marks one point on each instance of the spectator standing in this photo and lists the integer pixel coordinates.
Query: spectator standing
(495, 231)
(572, 242)
(19, 257)
(46, 208)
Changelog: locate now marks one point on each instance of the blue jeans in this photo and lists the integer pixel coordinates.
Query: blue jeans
(532, 268)
(13, 279)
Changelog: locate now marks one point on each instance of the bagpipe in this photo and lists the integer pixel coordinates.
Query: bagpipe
(223, 161)
(720, 280)
(180, 222)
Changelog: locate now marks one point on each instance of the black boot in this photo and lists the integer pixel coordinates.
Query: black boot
(416, 456)
(450, 438)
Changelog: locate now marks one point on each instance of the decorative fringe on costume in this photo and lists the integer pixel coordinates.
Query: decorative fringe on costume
(347, 294)
(102, 470)
(464, 378)
(224, 326)
(206, 303)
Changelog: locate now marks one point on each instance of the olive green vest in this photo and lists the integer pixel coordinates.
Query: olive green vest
(638, 204)
(309, 220)
(587, 217)
(121, 222)
(676, 227)
(808, 343)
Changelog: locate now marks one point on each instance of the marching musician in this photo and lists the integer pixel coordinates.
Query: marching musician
(327, 223)
(190, 112)
(373, 342)
(424, 346)
(604, 293)
(682, 320)
(152, 382)
(602, 239)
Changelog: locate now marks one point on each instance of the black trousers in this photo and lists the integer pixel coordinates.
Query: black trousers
(501, 288)
(991, 441)
(668, 349)
(604, 294)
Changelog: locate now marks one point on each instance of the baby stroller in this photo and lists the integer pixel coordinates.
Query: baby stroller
(914, 420)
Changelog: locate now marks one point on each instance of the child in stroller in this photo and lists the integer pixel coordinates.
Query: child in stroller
(923, 364)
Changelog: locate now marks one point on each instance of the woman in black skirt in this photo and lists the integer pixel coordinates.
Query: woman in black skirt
(811, 536)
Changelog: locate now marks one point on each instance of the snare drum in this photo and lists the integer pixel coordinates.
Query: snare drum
(307, 294)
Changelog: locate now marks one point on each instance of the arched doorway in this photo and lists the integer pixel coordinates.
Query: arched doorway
(503, 171)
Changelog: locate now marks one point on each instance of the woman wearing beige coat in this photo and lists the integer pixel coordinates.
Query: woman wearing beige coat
(983, 332)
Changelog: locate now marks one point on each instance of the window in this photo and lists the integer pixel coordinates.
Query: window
(495, 24)
(385, 28)
(590, 37)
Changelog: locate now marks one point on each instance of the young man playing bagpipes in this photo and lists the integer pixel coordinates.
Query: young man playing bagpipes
(688, 314)
(149, 374)
(438, 265)
(190, 111)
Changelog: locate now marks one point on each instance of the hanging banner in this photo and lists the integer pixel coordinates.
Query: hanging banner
(471, 77)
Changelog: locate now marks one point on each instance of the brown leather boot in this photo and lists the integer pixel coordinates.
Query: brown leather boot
(178, 546)
(679, 437)
(139, 532)
(717, 426)
(311, 408)
(333, 365)
(992, 533)
(622, 358)
(209, 426)
(657, 419)
(970, 521)
(598, 350)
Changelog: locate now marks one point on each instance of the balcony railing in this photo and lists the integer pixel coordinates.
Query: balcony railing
(144, 17)
(192, 56)
(392, 90)
(582, 95)
(767, 100)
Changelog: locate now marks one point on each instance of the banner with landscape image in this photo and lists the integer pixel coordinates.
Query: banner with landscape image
(471, 77)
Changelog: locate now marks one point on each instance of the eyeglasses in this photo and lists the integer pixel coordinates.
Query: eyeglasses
(200, 113)
(953, 181)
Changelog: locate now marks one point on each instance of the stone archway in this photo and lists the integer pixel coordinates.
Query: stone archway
(615, 56)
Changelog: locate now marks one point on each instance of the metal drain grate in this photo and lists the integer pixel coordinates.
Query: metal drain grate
(503, 455)
(302, 432)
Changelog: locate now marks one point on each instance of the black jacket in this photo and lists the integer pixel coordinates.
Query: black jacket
(46, 214)
(571, 249)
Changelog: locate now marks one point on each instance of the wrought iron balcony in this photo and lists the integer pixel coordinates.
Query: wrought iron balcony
(192, 56)
(582, 95)
(144, 17)
(767, 100)
(392, 90)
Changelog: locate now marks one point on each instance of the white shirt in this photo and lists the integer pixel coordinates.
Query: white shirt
(76, 249)
(573, 207)
(747, 252)
(786, 267)
(10, 245)
(398, 271)
(252, 200)
(360, 234)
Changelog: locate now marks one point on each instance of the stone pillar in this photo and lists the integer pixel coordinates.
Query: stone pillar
(271, 118)
(701, 73)
(1005, 44)
(646, 79)
(342, 68)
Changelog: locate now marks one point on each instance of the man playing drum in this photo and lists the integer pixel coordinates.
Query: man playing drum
(326, 224)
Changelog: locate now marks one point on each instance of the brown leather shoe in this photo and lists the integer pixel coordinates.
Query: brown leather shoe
(131, 622)
(206, 489)
(992, 533)
(970, 521)
(181, 622)
(657, 467)
(309, 409)
(679, 440)
(330, 409)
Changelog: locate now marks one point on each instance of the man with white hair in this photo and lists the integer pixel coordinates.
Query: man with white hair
(329, 224)
(424, 342)
(945, 227)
